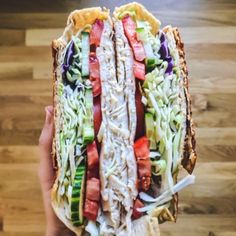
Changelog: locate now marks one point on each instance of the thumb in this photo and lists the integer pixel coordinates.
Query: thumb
(45, 171)
(45, 139)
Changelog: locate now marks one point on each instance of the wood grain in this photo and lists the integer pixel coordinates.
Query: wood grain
(203, 225)
(41, 37)
(15, 70)
(208, 29)
(12, 37)
(214, 110)
(25, 54)
(19, 154)
(203, 34)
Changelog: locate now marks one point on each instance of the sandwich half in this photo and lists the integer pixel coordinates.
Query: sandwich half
(162, 128)
(123, 126)
(77, 114)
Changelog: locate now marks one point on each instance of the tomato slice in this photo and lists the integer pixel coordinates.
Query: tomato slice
(94, 173)
(96, 85)
(139, 70)
(91, 209)
(137, 204)
(94, 65)
(141, 148)
(96, 32)
(94, 73)
(140, 127)
(92, 154)
(129, 28)
(93, 189)
(144, 168)
(138, 50)
(144, 183)
(97, 114)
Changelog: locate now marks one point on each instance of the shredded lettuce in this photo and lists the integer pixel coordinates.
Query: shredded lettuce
(73, 110)
(158, 167)
(162, 89)
(92, 228)
(165, 196)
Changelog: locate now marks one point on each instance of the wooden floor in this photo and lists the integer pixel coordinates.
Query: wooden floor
(209, 31)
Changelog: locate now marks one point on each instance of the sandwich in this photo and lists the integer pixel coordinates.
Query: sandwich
(123, 123)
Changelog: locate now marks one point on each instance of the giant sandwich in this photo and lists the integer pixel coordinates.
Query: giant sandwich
(123, 125)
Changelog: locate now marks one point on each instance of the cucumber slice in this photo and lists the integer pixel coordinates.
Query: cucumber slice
(152, 62)
(141, 34)
(89, 98)
(150, 128)
(88, 133)
(85, 54)
(88, 128)
(77, 199)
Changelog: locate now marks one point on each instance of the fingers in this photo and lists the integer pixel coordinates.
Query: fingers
(46, 172)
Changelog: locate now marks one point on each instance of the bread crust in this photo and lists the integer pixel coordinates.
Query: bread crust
(189, 154)
(141, 13)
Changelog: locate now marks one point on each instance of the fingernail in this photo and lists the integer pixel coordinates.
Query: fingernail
(49, 109)
(48, 118)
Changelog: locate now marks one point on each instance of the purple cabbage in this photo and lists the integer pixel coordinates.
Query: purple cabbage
(164, 50)
(162, 38)
(165, 54)
(170, 64)
(68, 57)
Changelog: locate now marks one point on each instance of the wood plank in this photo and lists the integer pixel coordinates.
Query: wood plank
(42, 37)
(205, 185)
(214, 110)
(205, 69)
(31, 88)
(217, 34)
(195, 18)
(33, 20)
(29, 223)
(21, 233)
(43, 70)
(8, 6)
(211, 85)
(207, 205)
(11, 6)
(211, 153)
(26, 70)
(15, 71)
(25, 54)
(200, 225)
(25, 185)
(23, 113)
(216, 136)
(22, 137)
(14, 206)
(18, 154)
(216, 170)
(12, 37)
(211, 51)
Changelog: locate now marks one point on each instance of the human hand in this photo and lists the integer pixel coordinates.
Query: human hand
(47, 176)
